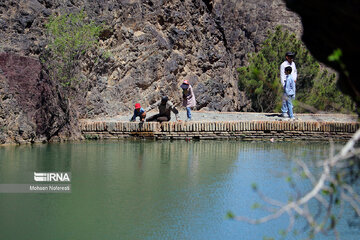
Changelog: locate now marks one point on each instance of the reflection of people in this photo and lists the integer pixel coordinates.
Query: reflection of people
(188, 98)
(138, 112)
(289, 56)
(140, 153)
(165, 108)
(289, 91)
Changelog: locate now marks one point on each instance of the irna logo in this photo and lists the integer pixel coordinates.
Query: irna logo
(52, 177)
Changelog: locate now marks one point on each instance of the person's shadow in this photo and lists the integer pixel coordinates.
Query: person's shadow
(273, 115)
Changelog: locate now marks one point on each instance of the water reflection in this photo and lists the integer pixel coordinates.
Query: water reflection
(147, 190)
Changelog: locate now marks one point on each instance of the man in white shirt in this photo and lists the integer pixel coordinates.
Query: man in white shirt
(289, 56)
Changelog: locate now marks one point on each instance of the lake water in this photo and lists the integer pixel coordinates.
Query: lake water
(151, 189)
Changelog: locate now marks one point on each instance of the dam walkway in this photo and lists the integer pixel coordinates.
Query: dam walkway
(219, 125)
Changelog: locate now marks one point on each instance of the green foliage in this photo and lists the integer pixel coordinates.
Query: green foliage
(91, 137)
(254, 186)
(335, 56)
(283, 232)
(268, 238)
(325, 96)
(260, 80)
(230, 215)
(70, 36)
(255, 205)
(107, 55)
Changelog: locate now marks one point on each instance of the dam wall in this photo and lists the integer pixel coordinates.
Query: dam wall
(240, 130)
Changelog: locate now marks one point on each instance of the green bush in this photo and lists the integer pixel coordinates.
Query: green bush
(260, 79)
(325, 95)
(69, 36)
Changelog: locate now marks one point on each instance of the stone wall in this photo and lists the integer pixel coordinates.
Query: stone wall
(241, 130)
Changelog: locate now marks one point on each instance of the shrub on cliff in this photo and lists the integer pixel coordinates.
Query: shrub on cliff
(69, 36)
(316, 88)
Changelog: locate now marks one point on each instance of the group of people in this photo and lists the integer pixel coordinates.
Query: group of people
(165, 106)
(288, 76)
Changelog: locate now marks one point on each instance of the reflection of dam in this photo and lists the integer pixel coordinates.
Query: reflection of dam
(243, 130)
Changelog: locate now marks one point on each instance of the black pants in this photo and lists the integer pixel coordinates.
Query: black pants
(158, 118)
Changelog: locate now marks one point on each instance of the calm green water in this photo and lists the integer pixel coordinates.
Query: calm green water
(150, 190)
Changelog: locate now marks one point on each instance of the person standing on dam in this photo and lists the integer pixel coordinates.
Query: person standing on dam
(189, 100)
(289, 90)
(289, 56)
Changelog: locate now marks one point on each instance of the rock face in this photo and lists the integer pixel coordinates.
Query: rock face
(31, 109)
(19, 97)
(155, 45)
(330, 25)
(149, 47)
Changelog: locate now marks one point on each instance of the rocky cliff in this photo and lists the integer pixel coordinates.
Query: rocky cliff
(30, 107)
(147, 49)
